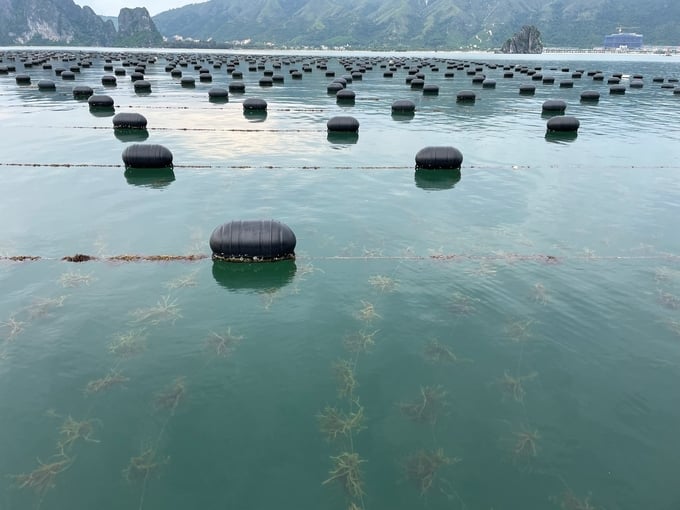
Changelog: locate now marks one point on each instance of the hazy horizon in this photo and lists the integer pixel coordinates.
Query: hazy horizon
(112, 8)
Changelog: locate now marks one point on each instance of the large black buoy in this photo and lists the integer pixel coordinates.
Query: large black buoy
(334, 87)
(253, 240)
(218, 94)
(343, 124)
(187, 81)
(433, 158)
(554, 106)
(147, 156)
(592, 96)
(563, 123)
(47, 85)
(109, 80)
(255, 104)
(345, 96)
(466, 96)
(100, 101)
(82, 92)
(527, 89)
(403, 106)
(22, 79)
(430, 89)
(127, 120)
(142, 86)
(237, 86)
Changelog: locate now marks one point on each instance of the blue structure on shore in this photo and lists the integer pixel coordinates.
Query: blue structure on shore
(629, 40)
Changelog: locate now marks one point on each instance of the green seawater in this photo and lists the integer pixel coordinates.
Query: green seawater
(512, 330)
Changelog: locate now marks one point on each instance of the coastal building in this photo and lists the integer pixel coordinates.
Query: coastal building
(628, 40)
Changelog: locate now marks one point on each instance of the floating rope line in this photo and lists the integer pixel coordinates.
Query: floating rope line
(450, 257)
(229, 167)
(155, 107)
(337, 167)
(235, 130)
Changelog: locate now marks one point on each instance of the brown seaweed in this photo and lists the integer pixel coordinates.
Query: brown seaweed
(346, 470)
(427, 407)
(334, 423)
(422, 468)
(42, 478)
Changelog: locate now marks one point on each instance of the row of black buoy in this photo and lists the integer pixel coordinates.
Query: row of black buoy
(353, 65)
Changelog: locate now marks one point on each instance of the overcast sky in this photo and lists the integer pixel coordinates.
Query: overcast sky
(113, 7)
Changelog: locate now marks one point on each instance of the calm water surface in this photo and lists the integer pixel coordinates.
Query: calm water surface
(503, 338)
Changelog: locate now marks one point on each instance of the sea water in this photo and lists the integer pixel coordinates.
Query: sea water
(503, 337)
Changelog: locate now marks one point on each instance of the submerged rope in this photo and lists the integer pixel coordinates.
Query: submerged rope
(448, 257)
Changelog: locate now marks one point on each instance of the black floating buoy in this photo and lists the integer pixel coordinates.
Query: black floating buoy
(127, 120)
(237, 86)
(345, 96)
(255, 104)
(567, 84)
(253, 240)
(334, 87)
(109, 80)
(430, 89)
(82, 92)
(488, 83)
(466, 96)
(403, 106)
(266, 81)
(218, 94)
(636, 84)
(554, 105)
(46, 85)
(142, 86)
(590, 96)
(527, 89)
(617, 89)
(147, 156)
(433, 158)
(100, 101)
(22, 79)
(343, 124)
(563, 123)
(187, 81)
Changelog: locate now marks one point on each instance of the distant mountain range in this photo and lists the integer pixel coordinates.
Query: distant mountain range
(376, 24)
(414, 24)
(63, 22)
